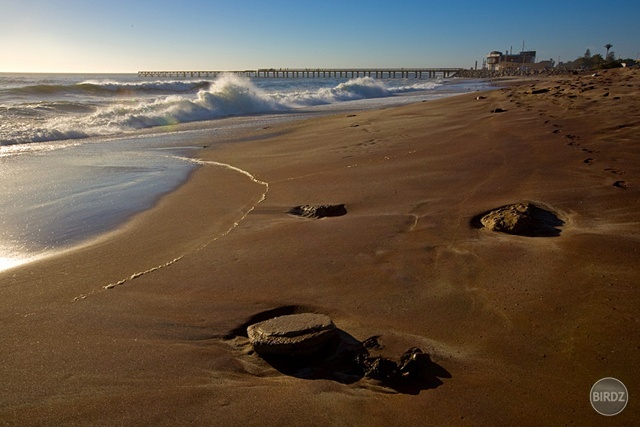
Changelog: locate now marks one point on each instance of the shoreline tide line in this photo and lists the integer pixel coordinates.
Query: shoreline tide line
(175, 260)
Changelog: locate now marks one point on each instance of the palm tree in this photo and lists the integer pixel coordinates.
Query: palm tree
(608, 46)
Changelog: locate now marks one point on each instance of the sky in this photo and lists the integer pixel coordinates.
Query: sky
(132, 35)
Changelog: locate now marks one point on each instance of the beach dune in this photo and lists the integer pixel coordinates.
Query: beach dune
(144, 325)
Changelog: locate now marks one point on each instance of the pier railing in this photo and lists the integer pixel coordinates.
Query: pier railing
(390, 73)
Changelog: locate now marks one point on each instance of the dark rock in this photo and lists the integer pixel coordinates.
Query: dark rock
(319, 211)
(414, 363)
(539, 91)
(292, 335)
(498, 110)
(620, 184)
(345, 359)
(416, 371)
(381, 369)
(372, 343)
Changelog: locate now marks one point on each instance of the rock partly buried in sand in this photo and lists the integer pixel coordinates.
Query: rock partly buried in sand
(292, 335)
(512, 219)
(318, 211)
(414, 365)
(524, 219)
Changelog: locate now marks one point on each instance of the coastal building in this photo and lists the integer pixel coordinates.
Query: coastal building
(497, 61)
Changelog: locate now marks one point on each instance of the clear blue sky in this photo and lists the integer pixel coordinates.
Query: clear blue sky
(132, 35)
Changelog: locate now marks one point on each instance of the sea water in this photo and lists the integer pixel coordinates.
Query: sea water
(79, 154)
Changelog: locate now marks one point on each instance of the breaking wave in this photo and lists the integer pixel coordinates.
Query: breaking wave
(175, 102)
(107, 88)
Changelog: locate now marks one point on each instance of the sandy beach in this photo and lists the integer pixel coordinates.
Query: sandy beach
(142, 327)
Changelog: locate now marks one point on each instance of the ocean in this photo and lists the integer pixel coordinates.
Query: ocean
(81, 153)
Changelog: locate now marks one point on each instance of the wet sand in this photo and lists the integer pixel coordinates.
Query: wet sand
(141, 326)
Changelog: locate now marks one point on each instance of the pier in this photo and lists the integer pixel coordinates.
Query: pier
(389, 73)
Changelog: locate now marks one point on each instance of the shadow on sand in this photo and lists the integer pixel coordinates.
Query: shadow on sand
(347, 360)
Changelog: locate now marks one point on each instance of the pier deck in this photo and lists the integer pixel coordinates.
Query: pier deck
(417, 73)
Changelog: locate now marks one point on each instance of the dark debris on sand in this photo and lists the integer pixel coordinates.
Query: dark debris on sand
(318, 211)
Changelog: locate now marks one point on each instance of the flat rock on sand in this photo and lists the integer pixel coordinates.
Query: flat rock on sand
(291, 335)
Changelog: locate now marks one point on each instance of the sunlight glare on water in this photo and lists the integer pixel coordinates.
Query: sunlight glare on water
(7, 263)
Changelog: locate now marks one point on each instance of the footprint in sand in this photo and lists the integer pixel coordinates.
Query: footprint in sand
(573, 139)
(614, 171)
(368, 143)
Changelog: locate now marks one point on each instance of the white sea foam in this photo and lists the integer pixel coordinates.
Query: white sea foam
(364, 87)
(229, 95)
(107, 87)
(158, 85)
(171, 102)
